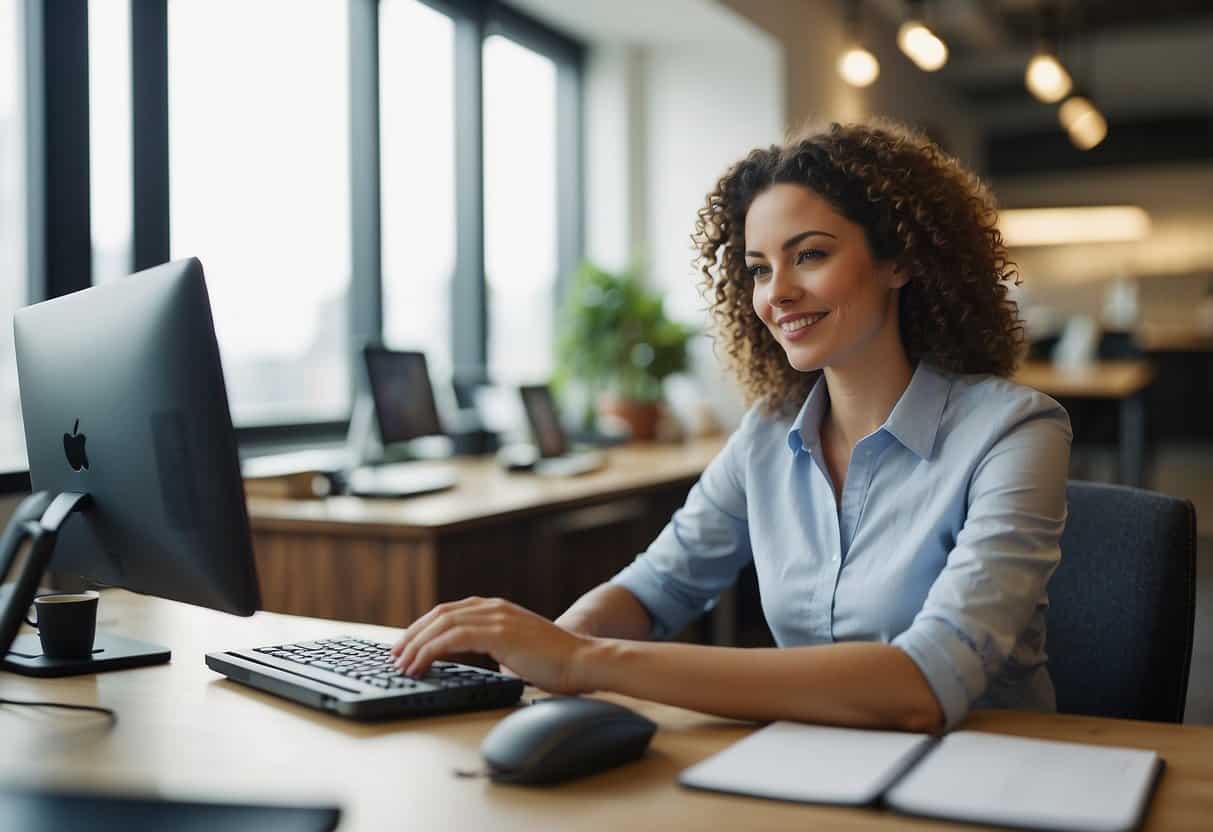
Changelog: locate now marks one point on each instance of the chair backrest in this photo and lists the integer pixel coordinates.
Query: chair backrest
(1122, 604)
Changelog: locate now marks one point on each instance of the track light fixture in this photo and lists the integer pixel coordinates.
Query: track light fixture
(1046, 78)
(856, 65)
(1083, 121)
(922, 46)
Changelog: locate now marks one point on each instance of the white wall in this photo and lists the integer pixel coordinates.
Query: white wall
(702, 115)
(664, 119)
(1175, 196)
(615, 157)
(811, 35)
(1171, 269)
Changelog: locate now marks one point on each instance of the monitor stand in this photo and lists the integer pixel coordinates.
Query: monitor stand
(38, 518)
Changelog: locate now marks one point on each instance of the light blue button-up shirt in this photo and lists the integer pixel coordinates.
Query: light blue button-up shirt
(942, 543)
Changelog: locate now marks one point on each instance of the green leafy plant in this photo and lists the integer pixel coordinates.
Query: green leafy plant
(616, 338)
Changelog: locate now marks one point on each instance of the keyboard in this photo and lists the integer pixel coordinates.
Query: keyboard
(355, 677)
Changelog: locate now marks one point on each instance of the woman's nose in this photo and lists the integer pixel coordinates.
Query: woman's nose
(783, 287)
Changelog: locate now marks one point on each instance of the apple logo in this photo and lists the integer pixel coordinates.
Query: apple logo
(73, 446)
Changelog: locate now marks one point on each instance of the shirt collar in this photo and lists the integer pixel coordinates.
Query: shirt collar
(806, 429)
(916, 416)
(914, 421)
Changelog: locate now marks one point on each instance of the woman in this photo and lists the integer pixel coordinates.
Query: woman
(901, 500)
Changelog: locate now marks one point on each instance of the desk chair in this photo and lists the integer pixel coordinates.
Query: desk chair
(1123, 603)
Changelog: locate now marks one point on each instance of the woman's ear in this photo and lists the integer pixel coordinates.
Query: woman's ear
(895, 276)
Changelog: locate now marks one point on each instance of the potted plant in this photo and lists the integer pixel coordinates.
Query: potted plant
(617, 340)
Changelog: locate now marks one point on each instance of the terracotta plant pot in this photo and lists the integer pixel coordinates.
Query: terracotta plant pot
(640, 417)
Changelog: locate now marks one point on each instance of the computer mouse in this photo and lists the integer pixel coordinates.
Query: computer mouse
(562, 738)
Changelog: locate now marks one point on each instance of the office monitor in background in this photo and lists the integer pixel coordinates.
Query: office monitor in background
(556, 456)
(405, 410)
(404, 398)
(125, 408)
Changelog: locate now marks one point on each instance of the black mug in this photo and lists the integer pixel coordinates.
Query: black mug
(67, 624)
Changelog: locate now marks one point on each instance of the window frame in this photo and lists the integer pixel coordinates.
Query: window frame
(59, 244)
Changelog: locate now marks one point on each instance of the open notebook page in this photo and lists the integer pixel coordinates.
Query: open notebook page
(991, 778)
(809, 763)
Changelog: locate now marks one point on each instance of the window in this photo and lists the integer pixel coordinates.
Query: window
(14, 285)
(417, 174)
(520, 225)
(248, 114)
(109, 127)
(259, 191)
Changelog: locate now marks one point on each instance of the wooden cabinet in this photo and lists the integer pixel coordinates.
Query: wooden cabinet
(541, 542)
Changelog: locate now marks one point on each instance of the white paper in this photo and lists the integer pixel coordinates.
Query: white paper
(810, 763)
(991, 778)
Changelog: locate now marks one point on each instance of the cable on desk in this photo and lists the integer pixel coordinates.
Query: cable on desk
(113, 716)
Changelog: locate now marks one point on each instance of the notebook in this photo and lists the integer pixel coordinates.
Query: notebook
(810, 763)
(967, 776)
(1038, 784)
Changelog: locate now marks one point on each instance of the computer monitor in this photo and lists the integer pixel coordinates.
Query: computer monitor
(123, 399)
(544, 420)
(404, 399)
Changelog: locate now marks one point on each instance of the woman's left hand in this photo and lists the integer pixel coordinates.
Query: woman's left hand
(527, 644)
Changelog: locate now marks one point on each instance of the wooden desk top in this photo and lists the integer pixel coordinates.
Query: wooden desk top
(188, 733)
(1101, 380)
(1157, 337)
(485, 492)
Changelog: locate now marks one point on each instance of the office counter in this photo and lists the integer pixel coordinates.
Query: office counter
(186, 732)
(538, 541)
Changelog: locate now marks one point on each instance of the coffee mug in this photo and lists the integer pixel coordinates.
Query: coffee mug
(67, 624)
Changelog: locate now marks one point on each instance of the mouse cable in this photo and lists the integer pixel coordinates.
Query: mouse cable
(113, 716)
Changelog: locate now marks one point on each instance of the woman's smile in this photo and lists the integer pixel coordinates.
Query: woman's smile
(796, 327)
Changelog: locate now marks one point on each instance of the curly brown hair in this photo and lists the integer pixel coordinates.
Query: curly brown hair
(916, 205)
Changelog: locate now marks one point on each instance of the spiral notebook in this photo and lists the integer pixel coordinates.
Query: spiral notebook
(966, 776)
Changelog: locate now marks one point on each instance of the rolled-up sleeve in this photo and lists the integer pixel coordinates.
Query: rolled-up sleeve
(994, 580)
(700, 551)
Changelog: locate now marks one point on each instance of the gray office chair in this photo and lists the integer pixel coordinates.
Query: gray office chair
(1122, 604)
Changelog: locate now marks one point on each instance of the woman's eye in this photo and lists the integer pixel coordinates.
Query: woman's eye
(756, 271)
(808, 254)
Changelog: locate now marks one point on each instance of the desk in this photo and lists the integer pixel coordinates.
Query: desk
(185, 732)
(1122, 381)
(1183, 337)
(541, 542)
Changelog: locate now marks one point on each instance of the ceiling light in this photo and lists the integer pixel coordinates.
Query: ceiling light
(1083, 121)
(858, 67)
(922, 46)
(1057, 226)
(1046, 78)
(1073, 109)
(1089, 130)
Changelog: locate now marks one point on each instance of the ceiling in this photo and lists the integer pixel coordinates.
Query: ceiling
(641, 22)
(1022, 19)
(1138, 58)
(1147, 64)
